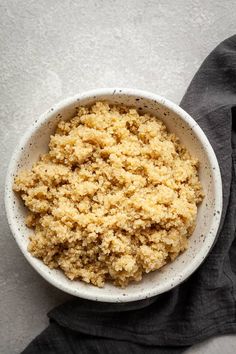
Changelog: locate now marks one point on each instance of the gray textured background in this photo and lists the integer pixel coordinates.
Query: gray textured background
(51, 49)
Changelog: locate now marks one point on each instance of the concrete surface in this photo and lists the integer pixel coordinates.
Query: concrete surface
(53, 49)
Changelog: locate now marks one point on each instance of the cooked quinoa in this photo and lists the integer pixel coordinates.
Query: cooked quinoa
(114, 198)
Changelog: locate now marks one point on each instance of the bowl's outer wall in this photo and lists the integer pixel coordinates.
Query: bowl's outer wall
(35, 142)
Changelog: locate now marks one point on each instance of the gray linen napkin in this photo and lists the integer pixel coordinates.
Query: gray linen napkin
(204, 305)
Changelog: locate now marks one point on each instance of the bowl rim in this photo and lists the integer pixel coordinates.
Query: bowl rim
(216, 176)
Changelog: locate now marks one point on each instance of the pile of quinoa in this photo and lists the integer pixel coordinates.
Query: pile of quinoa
(114, 198)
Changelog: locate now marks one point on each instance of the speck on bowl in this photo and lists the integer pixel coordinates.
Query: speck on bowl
(35, 142)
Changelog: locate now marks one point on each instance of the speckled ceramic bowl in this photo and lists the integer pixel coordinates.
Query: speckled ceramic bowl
(35, 142)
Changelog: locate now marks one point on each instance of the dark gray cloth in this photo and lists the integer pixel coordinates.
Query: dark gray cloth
(204, 305)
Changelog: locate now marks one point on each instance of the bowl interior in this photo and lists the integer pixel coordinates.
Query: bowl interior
(177, 121)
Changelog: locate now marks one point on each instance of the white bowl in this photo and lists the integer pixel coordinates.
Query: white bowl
(35, 142)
